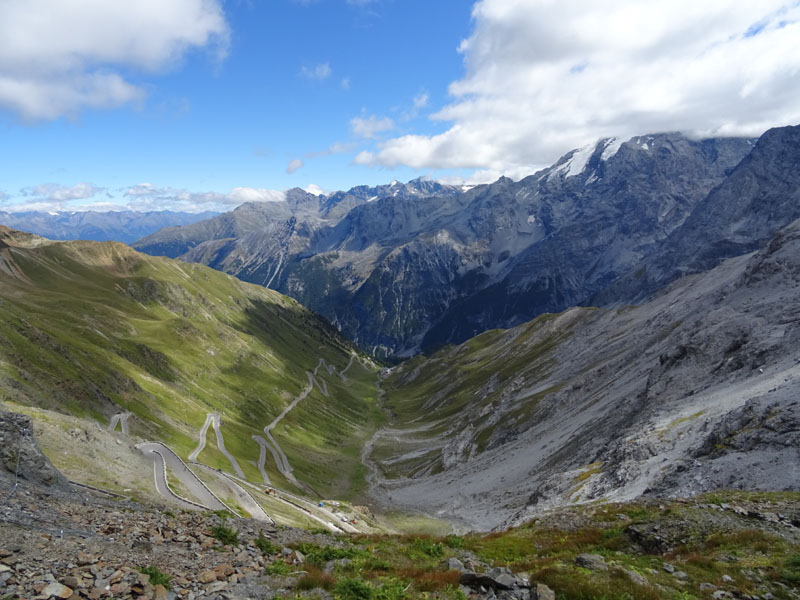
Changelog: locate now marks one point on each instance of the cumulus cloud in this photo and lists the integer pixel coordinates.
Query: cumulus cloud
(52, 192)
(544, 76)
(146, 196)
(248, 194)
(58, 57)
(314, 189)
(296, 164)
(369, 127)
(318, 72)
(140, 197)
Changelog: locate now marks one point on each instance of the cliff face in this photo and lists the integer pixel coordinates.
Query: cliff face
(20, 457)
(758, 198)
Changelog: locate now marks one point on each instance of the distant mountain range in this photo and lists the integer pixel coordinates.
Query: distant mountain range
(119, 226)
(404, 268)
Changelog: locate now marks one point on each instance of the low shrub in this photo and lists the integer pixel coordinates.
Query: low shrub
(352, 589)
(315, 579)
(427, 547)
(263, 544)
(225, 535)
(157, 577)
(277, 567)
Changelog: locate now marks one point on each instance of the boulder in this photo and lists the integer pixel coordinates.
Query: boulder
(57, 590)
(593, 562)
(542, 592)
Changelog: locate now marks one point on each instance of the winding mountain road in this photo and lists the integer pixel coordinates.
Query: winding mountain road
(122, 419)
(214, 419)
(243, 497)
(163, 457)
(264, 445)
(281, 460)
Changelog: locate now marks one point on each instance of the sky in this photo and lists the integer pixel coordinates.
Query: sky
(205, 104)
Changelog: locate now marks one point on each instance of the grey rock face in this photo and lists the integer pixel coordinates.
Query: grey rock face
(694, 390)
(759, 197)
(19, 454)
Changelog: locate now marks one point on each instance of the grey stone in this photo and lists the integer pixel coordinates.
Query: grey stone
(542, 592)
(636, 577)
(454, 564)
(593, 562)
(56, 590)
(707, 586)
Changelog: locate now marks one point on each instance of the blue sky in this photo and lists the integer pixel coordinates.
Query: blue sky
(207, 103)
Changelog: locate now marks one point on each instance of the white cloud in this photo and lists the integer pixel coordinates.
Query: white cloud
(52, 192)
(146, 196)
(297, 163)
(141, 197)
(421, 100)
(248, 194)
(318, 72)
(544, 76)
(368, 128)
(345, 83)
(314, 189)
(59, 57)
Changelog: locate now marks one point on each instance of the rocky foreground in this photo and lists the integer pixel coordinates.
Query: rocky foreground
(61, 540)
(61, 543)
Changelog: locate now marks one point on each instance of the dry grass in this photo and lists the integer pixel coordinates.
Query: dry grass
(315, 579)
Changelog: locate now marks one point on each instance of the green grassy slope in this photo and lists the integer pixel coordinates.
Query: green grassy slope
(92, 329)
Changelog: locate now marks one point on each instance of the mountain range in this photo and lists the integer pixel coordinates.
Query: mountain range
(412, 267)
(119, 226)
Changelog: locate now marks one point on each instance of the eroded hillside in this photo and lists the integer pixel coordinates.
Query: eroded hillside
(694, 390)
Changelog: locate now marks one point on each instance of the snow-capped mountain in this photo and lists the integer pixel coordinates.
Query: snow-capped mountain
(404, 267)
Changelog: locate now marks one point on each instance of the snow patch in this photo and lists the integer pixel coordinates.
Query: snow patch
(531, 219)
(372, 199)
(576, 162)
(612, 147)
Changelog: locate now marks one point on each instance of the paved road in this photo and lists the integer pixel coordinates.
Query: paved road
(214, 420)
(347, 368)
(262, 456)
(122, 419)
(282, 462)
(161, 454)
(243, 497)
(331, 521)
